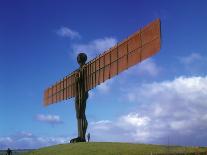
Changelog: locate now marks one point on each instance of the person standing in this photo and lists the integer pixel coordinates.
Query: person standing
(9, 152)
(88, 137)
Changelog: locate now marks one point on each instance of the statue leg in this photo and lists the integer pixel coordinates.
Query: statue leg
(80, 106)
(79, 121)
(84, 122)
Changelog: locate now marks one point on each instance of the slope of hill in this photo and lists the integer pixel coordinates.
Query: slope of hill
(108, 148)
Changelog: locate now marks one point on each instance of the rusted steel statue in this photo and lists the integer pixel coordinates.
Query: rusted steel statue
(139, 46)
(80, 99)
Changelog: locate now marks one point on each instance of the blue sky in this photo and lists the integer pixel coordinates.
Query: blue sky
(165, 96)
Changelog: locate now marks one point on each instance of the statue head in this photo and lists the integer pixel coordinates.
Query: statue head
(81, 59)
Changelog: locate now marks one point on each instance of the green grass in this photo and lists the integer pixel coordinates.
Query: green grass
(15, 152)
(103, 148)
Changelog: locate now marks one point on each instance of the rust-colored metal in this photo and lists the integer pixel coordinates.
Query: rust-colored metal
(139, 46)
(134, 57)
(62, 90)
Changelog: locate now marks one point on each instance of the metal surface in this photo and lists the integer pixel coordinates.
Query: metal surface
(139, 46)
(136, 48)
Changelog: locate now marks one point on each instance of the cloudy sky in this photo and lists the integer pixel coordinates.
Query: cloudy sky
(161, 100)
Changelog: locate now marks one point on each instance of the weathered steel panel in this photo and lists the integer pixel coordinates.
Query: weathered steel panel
(68, 92)
(93, 80)
(73, 86)
(150, 32)
(54, 94)
(89, 66)
(97, 78)
(49, 90)
(134, 57)
(134, 42)
(101, 79)
(92, 70)
(97, 63)
(58, 94)
(97, 72)
(114, 54)
(122, 49)
(57, 91)
(101, 61)
(62, 90)
(122, 64)
(106, 72)
(57, 97)
(88, 75)
(51, 95)
(107, 58)
(65, 90)
(113, 69)
(49, 98)
(150, 49)
(87, 78)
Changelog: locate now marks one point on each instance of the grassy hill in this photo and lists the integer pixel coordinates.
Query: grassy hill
(16, 152)
(103, 148)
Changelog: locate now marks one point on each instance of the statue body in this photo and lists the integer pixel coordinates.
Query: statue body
(80, 99)
(80, 103)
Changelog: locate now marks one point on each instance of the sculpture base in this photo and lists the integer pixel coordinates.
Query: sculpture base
(78, 139)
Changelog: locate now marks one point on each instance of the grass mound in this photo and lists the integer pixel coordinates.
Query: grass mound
(106, 148)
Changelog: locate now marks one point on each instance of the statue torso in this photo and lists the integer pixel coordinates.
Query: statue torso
(80, 83)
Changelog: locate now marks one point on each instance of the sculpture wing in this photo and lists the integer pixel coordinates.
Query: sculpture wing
(62, 90)
(136, 48)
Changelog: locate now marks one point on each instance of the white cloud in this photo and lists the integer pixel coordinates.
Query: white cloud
(95, 47)
(194, 63)
(102, 125)
(175, 109)
(105, 87)
(135, 120)
(123, 129)
(147, 67)
(51, 119)
(193, 57)
(24, 140)
(67, 32)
